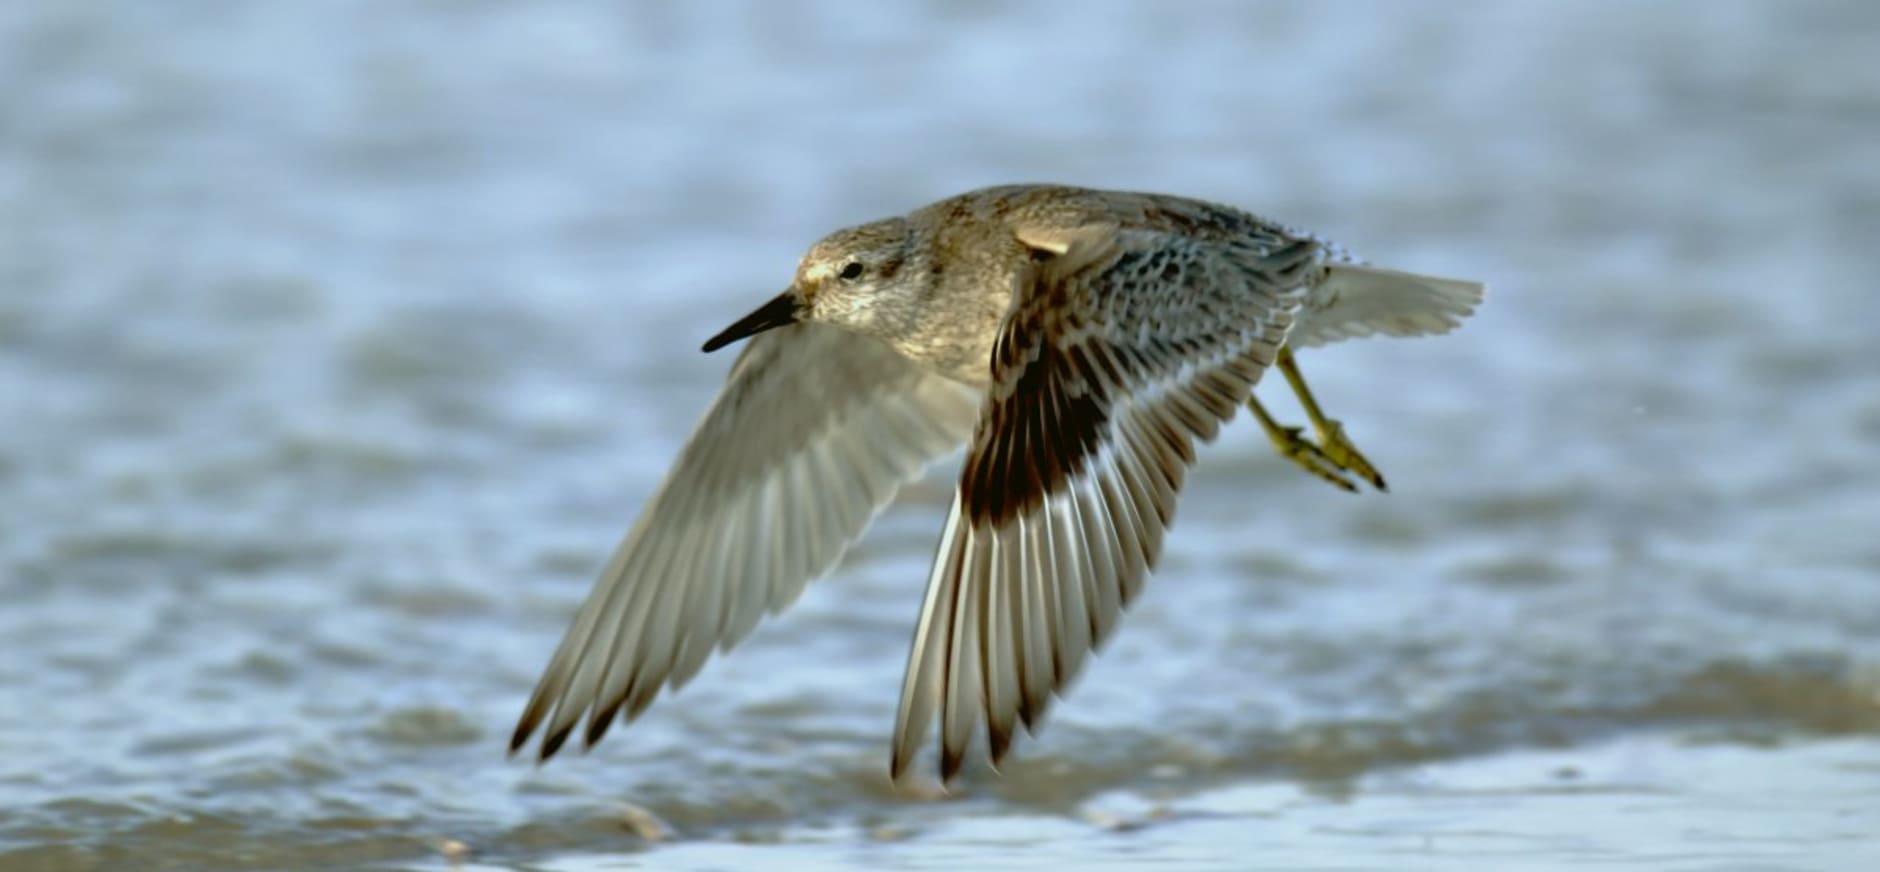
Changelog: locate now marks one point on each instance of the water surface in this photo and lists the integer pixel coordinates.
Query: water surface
(339, 342)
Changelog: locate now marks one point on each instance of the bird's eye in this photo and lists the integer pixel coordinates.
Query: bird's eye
(851, 271)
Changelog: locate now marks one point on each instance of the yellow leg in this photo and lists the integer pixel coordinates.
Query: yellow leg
(1333, 457)
(1333, 445)
(1297, 449)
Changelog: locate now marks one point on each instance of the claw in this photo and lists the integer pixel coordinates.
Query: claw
(1340, 452)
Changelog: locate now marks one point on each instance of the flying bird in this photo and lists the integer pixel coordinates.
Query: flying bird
(1078, 342)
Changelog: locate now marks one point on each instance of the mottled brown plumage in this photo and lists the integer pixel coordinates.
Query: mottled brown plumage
(1080, 342)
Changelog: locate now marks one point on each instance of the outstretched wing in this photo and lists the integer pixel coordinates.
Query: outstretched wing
(1123, 348)
(812, 434)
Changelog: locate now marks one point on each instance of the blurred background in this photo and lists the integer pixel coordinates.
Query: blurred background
(339, 342)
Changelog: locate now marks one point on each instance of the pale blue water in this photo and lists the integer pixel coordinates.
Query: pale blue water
(340, 341)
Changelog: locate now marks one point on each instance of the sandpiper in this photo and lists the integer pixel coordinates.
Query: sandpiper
(1078, 342)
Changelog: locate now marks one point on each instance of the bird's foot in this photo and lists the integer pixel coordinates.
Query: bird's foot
(1297, 448)
(1336, 449)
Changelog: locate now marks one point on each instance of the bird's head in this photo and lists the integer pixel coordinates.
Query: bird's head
(855, 278)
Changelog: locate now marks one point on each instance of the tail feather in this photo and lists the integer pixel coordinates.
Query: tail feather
(1355, 301)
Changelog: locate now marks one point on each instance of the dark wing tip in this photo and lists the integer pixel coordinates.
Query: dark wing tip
(898, 758)
(525, 727)
(598, 723)
(1000, 741)
(553, 742)
(950, 761)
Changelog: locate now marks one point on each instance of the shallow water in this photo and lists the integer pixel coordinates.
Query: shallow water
(339, 342)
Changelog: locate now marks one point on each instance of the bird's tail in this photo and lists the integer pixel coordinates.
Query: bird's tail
(1356, 300)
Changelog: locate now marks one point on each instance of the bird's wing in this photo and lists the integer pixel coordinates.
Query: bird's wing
(1121, 349)
(1356, 300)
(812, 434)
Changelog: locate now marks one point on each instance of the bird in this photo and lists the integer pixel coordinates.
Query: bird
(1077, 342)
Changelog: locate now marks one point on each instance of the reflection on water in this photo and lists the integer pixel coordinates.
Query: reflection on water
(338, 343)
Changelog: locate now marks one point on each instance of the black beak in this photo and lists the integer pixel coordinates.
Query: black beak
(780, 312)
